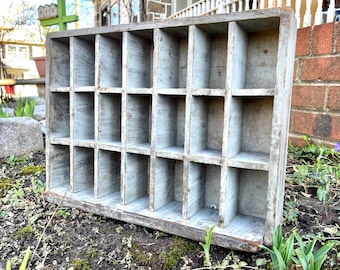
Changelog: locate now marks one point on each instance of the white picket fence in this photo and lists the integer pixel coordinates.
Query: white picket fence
(307, 12)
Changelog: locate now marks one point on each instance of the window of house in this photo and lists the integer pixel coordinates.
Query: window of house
(115, 14)
(14, 52)
(105, 16)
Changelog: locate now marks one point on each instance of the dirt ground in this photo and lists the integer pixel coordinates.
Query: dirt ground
(62, 238)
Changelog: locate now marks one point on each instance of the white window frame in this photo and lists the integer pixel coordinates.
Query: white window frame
(17, 53)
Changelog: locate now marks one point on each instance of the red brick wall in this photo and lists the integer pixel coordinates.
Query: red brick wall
(315, 107)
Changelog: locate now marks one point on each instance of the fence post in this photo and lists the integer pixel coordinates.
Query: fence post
(307, 20)
(331, 11)
(221, 6)
(297, 12)
(318, 14)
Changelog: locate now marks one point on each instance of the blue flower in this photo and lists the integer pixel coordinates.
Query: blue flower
(337, 147)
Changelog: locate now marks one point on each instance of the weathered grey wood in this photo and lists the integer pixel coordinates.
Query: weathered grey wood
(207, 124)
(59, 61)
(139, 60)
(110, 60)
(109, 128)
(202, 58)
(83, 116)
(137, 175)
(262, 59)
(176, 125)
(229, 196)
(172, 59)
(164, 185)
(59, 170)
(170, 121)
(168, 219)
(59, 115)
(138, 116)
(82, 64)
(195, 189)
(253, 92)
(219, 44)
(257, 124)
(83, 169)
(108, 180)
(250, 160)
(252, 195)
(285, 63)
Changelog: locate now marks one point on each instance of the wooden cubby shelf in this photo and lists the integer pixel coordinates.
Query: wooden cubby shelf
(177, 125)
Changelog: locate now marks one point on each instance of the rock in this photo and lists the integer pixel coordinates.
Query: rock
(20, 136)
(9, 111)
(39, 109)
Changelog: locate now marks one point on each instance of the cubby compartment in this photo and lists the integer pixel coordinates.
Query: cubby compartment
(167, 185)
(250, 132)
(170, 124)
(138, 121)
(59, 169)
(83, 109)
(255, 54)
(202, 192)
(172, 57)
(83, 170)
(110, 60)
(210, 56)
(139, 57)
(59, 115)
(246, 194)
(83, 54)
(136, 181)
(59, 50)
(108, 180)
(109, 130)
(207, 123)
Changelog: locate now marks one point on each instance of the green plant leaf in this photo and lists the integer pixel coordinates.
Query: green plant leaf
(29, 107)
(279, 264)
(25, 260)
(302, 260)
(321, 254)
(18, 110)
(3, 114)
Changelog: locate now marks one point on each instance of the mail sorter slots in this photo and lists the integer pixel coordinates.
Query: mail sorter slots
(176, 125)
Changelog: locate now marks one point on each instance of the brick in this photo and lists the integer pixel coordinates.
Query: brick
(322, 42)
(297, 141)
(303, 123)
(296, 64)
(308, 96)
(333, 102)
(322, 125)
(336, 127)
(320, 68)
(337, 42)
(302, 41)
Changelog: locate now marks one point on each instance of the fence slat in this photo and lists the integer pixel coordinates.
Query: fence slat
(312, 13)
(307, 18)
(331, 11)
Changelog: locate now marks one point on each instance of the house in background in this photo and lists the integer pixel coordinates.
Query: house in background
(112, 12)
(18, 49)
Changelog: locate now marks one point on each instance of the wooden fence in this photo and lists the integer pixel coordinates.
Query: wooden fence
(307, 12)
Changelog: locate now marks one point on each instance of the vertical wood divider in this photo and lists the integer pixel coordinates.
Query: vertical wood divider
(72, 157)
(125, 64)
(188, 105)
(96, 116)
